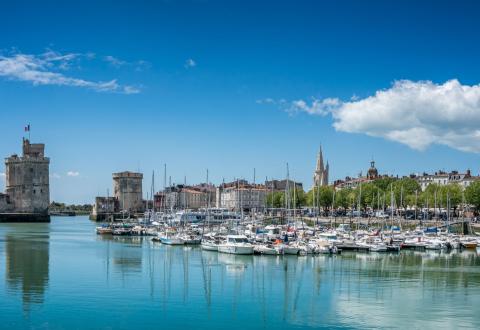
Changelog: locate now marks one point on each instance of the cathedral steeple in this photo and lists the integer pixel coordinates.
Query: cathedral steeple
(319, 160)
(320, 176)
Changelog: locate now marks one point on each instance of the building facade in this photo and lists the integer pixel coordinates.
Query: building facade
(443, 178)
(104, 206)
(241, 195)
(187, 197)
(281, 185)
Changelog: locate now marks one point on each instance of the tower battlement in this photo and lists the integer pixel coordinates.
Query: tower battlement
(36, 150)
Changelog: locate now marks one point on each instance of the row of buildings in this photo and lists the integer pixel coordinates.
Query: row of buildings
(235, 195)
(320, 177)
(440, 178)
(240, 194)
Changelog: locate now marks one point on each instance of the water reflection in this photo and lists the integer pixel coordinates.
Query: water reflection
(27, 266)
(181, 287)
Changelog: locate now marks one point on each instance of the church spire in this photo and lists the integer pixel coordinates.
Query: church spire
(319, 161)
(320, 176)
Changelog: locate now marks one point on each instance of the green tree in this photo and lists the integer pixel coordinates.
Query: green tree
(403, 192)
(472, 194)
(275, 200)
(300, 198)
(384, 183)
(342, 198)
(453, 193)
(368, 194)
(325, 197)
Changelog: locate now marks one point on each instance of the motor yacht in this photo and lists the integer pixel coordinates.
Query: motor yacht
(236, 244)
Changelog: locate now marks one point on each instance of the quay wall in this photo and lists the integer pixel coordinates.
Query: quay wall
(24, 217)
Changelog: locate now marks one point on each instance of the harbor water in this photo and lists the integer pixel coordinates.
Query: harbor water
(61, 275)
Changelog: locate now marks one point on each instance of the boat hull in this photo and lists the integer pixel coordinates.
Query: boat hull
(265, 251)
(209, 247)
(244, 250)
(171, 241)
(469, 245)
(291, 250)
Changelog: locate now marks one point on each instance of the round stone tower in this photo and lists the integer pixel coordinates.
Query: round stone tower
(127, 188)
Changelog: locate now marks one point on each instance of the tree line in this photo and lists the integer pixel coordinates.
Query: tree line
(378, 194)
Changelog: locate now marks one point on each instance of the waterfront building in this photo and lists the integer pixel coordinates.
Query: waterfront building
(186, 197)
(104, 206)
(127, 197)
(27, 193)
(320, 175)
(240, 194)
(442, 178)
(281, 185)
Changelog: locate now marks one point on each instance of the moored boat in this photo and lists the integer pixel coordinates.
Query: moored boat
(104, 230)
(265, 249)
(236, 244)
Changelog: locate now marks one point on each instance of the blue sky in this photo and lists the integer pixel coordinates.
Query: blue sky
(236, 85)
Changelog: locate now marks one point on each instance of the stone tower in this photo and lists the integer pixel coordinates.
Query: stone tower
(27, 179)
(372, 173)
(127, 187)
(320, 176)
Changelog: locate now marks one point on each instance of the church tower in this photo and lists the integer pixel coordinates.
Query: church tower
(320, 176)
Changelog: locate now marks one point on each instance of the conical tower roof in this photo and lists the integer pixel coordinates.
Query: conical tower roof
(319, 167)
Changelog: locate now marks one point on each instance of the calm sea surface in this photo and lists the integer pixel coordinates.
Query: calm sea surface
(63, 276)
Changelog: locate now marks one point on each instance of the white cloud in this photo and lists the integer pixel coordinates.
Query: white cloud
(131, 90)
(417, 114)
(73, 173)
(316, 107)
(190, 63)
(44, 69)
(139, 65)
(55, 176)
(2, 175)
(116, 62)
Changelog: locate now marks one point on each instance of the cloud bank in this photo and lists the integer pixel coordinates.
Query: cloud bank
(417, 114)
(49, 69)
